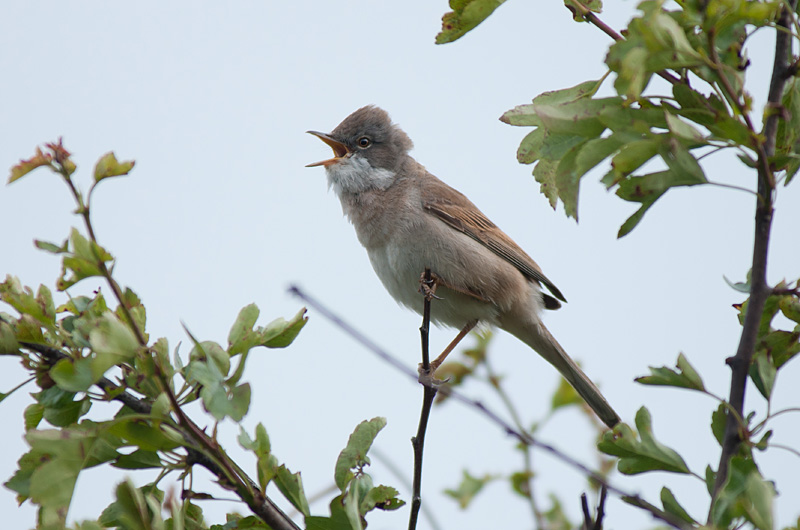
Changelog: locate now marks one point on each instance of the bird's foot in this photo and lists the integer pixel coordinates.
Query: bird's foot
(428, 287)
(427, 377)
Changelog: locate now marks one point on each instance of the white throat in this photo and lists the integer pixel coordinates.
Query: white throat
(355, 175)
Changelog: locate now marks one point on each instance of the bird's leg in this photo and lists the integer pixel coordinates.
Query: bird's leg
(450, 347)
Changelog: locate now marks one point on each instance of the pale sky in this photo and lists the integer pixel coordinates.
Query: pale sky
(212, 100)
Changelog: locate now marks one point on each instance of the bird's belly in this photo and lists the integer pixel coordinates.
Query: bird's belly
(400, 269)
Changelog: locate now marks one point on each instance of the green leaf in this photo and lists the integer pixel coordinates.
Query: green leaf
(60, 410)
(383, 498)
(684, 377)
(26, 166)
(746, 494)
(468, 488)
(82, 262)
(683, 130)
(210, 350)
(672, 506)
(742, 287)
(763, 373)
(637, 456)
(788, 136)
(466, 15)
(39, 307)
(564, 396)
(147, 436)
(568, 181)
(521, 483)
(337, 521)
(354, 455)
(718, 420)
(521, 116)
(630, 158)
(108, 166)
(529, 150)
(291, 485)
(545, 174)
(62, 454)
(33, 415)
(73, 376)
(139, 459)
(113, 343)
(219, 399)
(647, 189)
(135, 508)
(8, 339)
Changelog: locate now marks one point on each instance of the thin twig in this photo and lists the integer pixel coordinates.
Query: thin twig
(475, 405)
(428, 395)
(593, 19)
(587, 516)
(759, 290)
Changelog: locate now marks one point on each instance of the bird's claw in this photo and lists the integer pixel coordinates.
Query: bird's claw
(428, 287)
(426, 377)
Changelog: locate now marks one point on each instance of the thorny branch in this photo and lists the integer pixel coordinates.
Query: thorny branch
(759, 290)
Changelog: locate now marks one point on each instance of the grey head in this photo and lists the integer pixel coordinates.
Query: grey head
(368, 149)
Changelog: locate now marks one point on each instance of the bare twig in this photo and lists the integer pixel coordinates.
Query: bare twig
(759, 290)
(473, 404)
(595, 523)
(428, 395)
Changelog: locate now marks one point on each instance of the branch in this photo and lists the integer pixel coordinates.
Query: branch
(260, 504)
(521, 436)
(759, 290)
(428, 395)
(588, 15)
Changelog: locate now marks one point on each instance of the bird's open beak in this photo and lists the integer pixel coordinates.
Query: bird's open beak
(339, 149)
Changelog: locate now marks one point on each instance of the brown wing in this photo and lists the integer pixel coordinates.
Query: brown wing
(457, 211)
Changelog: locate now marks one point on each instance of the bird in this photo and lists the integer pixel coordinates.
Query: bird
(409, 221)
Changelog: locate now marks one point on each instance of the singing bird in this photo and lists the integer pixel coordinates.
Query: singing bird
(409, 220)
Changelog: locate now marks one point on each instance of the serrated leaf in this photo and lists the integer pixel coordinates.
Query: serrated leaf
(684, 377)
(672, 506)
(521, 116)
(291, 485)
(24, 167)
(638, 456)
(354, 455)
(545, 174)
(468, 488)
(108, 166)
(466, 15)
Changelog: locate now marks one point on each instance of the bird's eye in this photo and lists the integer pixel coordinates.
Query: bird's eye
(364, 142)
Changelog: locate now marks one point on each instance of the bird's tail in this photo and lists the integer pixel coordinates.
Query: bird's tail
(538, 337)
